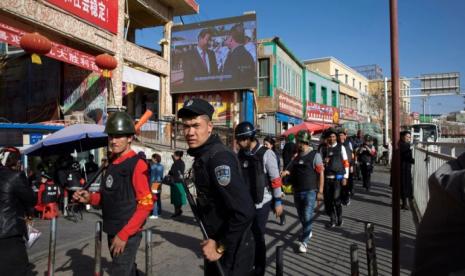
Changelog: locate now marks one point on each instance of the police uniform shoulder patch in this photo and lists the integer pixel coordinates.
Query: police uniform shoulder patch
(223, 175)
(109, 181)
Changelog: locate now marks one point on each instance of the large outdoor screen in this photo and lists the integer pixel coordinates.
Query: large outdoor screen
(214, 55)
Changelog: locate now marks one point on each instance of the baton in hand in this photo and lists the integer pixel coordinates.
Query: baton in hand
(195, 211)
(97, 174)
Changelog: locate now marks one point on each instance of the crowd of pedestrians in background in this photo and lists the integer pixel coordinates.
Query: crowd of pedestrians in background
(236, 191)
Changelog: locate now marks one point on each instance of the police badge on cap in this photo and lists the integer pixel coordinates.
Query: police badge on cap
(196, 107)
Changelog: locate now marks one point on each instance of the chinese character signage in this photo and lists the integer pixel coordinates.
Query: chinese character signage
(348, 114)
(321, 113)
(59, 52)
(289, 105)
(102, 13)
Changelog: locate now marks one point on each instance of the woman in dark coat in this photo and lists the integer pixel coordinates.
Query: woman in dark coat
(178, 195)
(406, 161)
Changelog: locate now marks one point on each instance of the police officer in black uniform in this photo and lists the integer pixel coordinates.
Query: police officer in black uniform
(223, 198)
(366, 156)
(261, 173)
(336, 175)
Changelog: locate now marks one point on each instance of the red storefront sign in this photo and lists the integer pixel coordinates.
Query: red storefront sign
(321, 113)
(289, 105)
(348, 114)
(102, 13)
(59, 52)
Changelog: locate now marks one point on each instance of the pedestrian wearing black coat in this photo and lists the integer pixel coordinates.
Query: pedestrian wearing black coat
(16, 203)
(406, 161)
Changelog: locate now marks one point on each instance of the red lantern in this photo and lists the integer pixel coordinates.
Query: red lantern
(35, 44)
(107, 63)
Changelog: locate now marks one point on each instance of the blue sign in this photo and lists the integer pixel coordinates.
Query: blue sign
(34, 138)
(281, 117)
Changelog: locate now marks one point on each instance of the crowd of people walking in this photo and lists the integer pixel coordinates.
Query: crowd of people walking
(235, 190)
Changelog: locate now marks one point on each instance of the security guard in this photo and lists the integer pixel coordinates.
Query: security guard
(347, 190)
(261, 172)
(366, 156)
(49, 191)
(307, 174)
(124, 196)
(336, 174)
(223, 198)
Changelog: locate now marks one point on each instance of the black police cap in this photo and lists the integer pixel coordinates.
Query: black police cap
(196, 107)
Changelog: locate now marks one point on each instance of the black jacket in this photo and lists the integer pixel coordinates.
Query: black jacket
(177, 167)
(224, 199)
(16, 199)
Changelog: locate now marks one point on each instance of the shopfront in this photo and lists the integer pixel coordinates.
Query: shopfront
(68, 82)
(290, 112)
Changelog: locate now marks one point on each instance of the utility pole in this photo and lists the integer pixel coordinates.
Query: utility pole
(386, 115)
(395, 168)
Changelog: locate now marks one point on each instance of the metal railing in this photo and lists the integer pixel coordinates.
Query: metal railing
(429, 157)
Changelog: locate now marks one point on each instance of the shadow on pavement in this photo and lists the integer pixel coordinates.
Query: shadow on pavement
(179, 240)
(80, 264)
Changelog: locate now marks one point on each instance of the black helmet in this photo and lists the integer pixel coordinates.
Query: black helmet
(304, 136)
(368, 138)
(120, 123)
(245, 130)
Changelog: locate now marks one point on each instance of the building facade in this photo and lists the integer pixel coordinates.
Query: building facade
(322, 98)
(280, 95)
(376, 88)
(80, 30)
(353, 86)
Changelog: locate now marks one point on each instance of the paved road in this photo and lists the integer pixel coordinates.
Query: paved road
(176, 242)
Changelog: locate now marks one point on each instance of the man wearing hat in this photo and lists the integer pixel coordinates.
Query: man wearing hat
(223, 199)
(307, 175)
(336, 175)
(124, 196)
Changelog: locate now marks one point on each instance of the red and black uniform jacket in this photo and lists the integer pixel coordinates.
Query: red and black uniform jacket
(124, 196)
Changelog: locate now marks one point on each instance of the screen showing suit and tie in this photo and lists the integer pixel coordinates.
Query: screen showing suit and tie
(214, 55)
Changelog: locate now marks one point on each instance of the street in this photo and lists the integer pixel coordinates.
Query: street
(176, 248)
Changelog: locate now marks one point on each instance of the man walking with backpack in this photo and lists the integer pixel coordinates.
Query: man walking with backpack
(261, 172)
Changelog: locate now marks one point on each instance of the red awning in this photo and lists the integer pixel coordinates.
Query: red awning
(313, 128)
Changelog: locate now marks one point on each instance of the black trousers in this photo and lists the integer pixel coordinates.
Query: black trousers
(258, 230)
(366, 175)
(13, 257)
(242, 264)
(332, 198)
(347, 190)
(124, 264)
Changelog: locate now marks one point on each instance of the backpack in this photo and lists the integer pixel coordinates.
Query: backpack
(254, 171)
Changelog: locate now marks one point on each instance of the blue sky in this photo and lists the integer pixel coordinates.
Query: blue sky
(432, 34)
